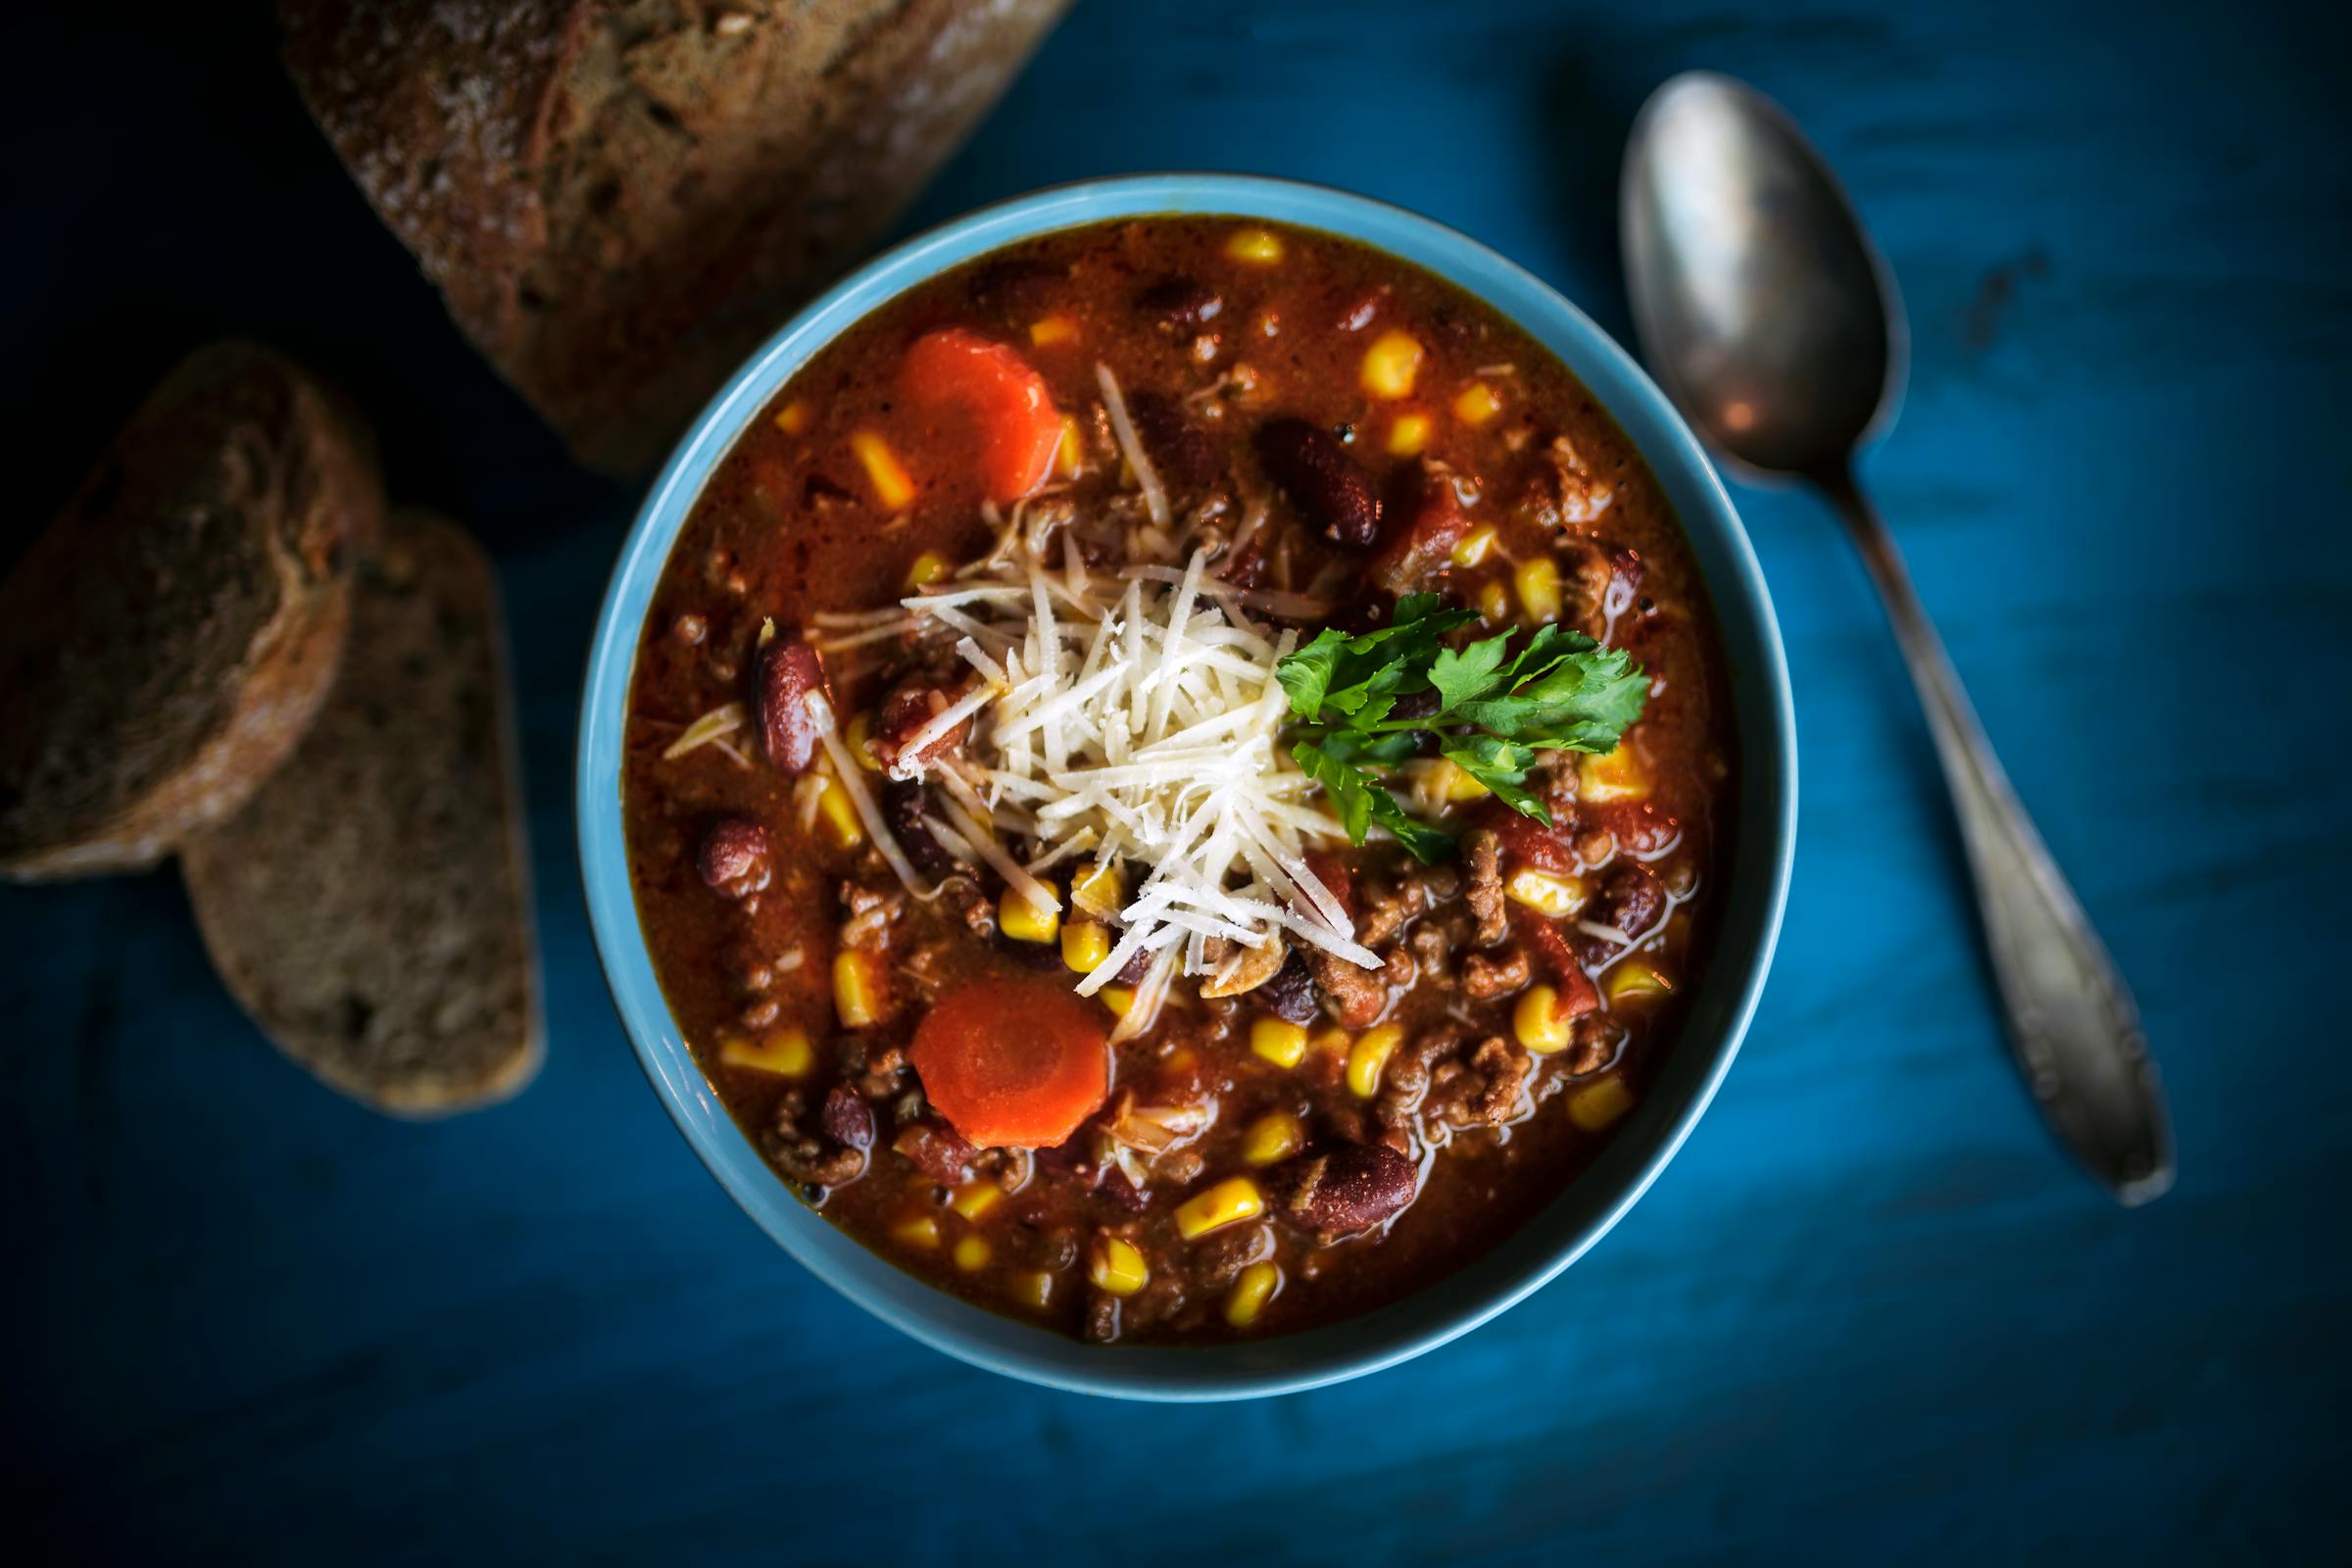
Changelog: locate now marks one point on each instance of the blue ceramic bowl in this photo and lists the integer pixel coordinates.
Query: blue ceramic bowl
(1726, 995)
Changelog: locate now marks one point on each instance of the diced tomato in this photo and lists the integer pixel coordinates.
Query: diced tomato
(1526, 841)
(1013, 1061)
(1641, 827)
(1577, 993)
(1015, 420)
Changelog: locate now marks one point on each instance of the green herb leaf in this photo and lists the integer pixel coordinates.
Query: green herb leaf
(1360, 802)
(1496, 709)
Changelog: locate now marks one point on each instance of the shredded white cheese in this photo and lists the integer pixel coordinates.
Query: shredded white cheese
(1137, 715)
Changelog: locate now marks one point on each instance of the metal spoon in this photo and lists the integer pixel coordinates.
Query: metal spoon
(1775, 326)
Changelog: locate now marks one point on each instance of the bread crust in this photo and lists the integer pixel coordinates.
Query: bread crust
(165, 640)
(371, 906)
(619, 199)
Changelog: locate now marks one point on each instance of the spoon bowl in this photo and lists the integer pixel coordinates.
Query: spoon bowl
(1763, 305)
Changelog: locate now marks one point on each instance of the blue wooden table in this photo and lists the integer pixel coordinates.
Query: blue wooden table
(1869, 1313)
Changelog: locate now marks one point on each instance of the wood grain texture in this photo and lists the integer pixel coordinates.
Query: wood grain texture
(1869, 1314)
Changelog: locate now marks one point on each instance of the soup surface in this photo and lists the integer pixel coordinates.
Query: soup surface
(1177, 779)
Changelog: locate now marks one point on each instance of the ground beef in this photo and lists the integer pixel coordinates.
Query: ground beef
(1356, 997)
(1484, 1091)
(1485, 886)
(1220, 1259)
(1430, 948)
(816, 1159)
(1484, 977)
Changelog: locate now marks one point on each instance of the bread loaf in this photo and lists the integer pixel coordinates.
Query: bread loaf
(619, 199)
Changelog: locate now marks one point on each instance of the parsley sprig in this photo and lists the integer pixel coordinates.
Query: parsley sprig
(1368, 699)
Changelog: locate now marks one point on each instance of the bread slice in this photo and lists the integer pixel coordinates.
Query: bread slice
(619, 199)
(164, 642)
(370, 905)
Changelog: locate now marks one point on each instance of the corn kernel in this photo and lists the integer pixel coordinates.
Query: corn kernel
(1474, 547)
(1047, 331)
(794, 419)
(1259, 247)
(1229, 1202)
(1449, 782)
(1274, 1135)
(1332, 1039)
(919, 1230)
(1251, 1293)
(1282, 1043)
(1551, 893)
(1024, 921)
(1101, 891)
(891, 484)
(1389, 366)
(928, 568)
(1084, 945)
(1494, 604)
(971, 1254)
(1538, 582)
(1369, 1056)
(1408, 433)
(1119, 998)
(1617, 776)
(1032, 1288)
(840, 816)
(785, 1054)
(1636, 982)
(1537, 1023)
(860, 738)
(856, 1001)
(976, 1200)
(1477, 404)
(1069, 455)
(1117, 1268)
(1600, 1103)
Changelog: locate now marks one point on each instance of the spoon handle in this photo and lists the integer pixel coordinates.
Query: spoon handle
(2072, 1024)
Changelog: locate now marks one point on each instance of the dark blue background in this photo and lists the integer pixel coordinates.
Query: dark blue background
(1870, 1312)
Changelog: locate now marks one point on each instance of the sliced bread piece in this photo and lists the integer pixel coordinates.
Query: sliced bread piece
(619, 199)
(370, 905)
(164, 642)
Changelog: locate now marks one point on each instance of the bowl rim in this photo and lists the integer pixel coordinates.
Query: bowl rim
(1592, 1203)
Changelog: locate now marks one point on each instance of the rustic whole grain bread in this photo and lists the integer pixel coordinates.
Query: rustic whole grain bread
(164, 642)
(370, 905)
(619, 199)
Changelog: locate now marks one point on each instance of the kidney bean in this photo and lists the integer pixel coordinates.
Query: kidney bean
(1425, 521)
(1630, 898)
(937, 1150)
(731, 851)
(905, 714)
(1315, 472)
(847, 1118)
(902, 802)
(788, 674)
(1291, 993)
(1185, 455)
(1180, 305)
(1345, 1187)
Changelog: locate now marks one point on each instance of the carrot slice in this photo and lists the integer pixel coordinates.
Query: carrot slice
(1018, 428)
(1013, 1062)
